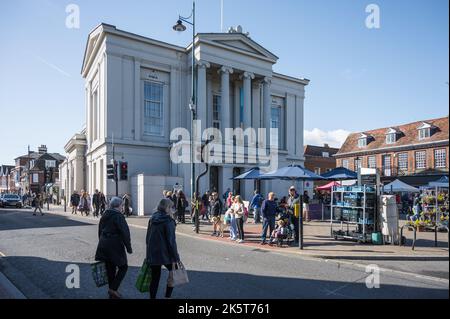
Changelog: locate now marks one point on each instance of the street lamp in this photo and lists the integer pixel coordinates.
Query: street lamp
(180, 27)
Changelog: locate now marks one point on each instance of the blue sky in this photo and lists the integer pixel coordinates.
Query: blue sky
(360, 78)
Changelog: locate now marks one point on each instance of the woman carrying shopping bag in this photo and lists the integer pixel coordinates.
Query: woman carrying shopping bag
(114, 243)
(161, 246)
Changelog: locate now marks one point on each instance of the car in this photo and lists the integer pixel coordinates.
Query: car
(11, 200)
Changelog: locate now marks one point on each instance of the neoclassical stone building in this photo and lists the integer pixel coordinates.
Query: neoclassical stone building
(138, 90)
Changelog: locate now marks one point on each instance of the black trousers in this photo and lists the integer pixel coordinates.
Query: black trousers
(154, 283)
(181, 216)
(96, 210)
(240, 226)
(115, 275)
(294, 221)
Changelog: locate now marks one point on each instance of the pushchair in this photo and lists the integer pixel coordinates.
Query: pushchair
(284, 231)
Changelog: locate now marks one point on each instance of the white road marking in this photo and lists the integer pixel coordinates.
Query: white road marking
(2, 254)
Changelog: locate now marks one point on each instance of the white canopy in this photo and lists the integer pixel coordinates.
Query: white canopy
(399, 186)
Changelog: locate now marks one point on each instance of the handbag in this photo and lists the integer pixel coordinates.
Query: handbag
(144, 278)
(99, 274)
(178, 275)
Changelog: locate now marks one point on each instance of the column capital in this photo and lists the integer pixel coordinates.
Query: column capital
(203, 64)
(267, 80)
(247, 75)
(225, 69)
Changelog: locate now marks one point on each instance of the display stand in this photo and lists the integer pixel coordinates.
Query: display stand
(354, 206)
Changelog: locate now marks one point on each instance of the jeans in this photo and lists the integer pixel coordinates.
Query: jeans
(268, 224)
(233, 227)
(115, 275)
(257, 212)
(181, 216)
(240, 226)
(154, 283)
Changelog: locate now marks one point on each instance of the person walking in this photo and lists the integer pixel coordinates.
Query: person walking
(102, 202)
(114, 243)
(161, 245)
(205, 206)
(126, 205)
(96, 203)
(180, 206)
(196, 204)
(37, 204)
(238, 210)
(216, 212)
(233, 223)
(255, 204)
(74, 202)
(85, 204)
(268, 213)
(292, 200)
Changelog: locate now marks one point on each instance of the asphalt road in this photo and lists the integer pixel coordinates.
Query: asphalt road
(38, 249)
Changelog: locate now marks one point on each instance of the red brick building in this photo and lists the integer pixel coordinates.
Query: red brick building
(319, 159)
(416, 153)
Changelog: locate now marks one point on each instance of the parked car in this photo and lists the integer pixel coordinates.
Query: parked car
(11, 200)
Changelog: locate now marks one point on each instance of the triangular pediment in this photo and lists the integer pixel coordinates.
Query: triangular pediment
(238, 42)
(91, 44)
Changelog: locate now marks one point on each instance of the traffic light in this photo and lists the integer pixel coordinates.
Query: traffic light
(111, 170)
(123, 171)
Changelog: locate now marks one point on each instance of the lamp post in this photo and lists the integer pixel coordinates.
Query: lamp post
(180, 27)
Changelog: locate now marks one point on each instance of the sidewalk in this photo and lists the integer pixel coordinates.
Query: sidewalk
(317, 241)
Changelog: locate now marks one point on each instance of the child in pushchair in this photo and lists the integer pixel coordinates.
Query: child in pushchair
(279, 234)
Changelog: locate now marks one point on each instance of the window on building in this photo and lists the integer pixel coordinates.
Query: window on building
(421, 160)
(153, 108)
(372, 162)
(277, 122)
(358, 163)
(440, 158)
(35, 178)
(317, 170)
(216, 111)
(362, 142)
(387, 165)
(345, 163)
(403, 162)
(325, 154)
(424, 133)
(391, 138)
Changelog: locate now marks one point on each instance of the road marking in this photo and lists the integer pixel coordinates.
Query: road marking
(2, 254)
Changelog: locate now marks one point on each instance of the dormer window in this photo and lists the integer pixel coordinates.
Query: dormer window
(424, 131)
(391, 136)
(362, 140)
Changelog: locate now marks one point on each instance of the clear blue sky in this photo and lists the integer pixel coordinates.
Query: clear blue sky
(360, 78)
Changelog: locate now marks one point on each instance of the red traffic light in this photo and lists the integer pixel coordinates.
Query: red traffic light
(124, 165)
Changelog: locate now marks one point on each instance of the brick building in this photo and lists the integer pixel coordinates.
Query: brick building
(319, 159)
(415, 153)
(6, 183)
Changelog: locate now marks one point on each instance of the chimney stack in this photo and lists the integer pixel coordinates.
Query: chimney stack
(326, 145)
(42, 149)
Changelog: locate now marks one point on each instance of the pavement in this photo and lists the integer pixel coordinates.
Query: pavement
(37, 251)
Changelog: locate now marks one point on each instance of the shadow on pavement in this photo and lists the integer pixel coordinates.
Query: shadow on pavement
(24, 219)
(42, 278)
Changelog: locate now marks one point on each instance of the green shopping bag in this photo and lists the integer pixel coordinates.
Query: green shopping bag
(144, 278)
(99, 274)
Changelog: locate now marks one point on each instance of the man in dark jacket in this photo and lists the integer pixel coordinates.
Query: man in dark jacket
(74, 202)
(96, 203)
(293, 199)
(114, 243)
(268, 213)
(161, 244)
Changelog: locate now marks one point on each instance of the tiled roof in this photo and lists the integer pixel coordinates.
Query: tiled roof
(312, 150)
(408, 135)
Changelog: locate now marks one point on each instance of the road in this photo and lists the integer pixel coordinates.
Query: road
(37, 249)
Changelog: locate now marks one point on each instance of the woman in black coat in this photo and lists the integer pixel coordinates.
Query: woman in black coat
(161, 244)
(114, 243)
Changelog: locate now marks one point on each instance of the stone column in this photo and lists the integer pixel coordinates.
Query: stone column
(247, 77)
(225, 98)
(267, 103)
(201, 93)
